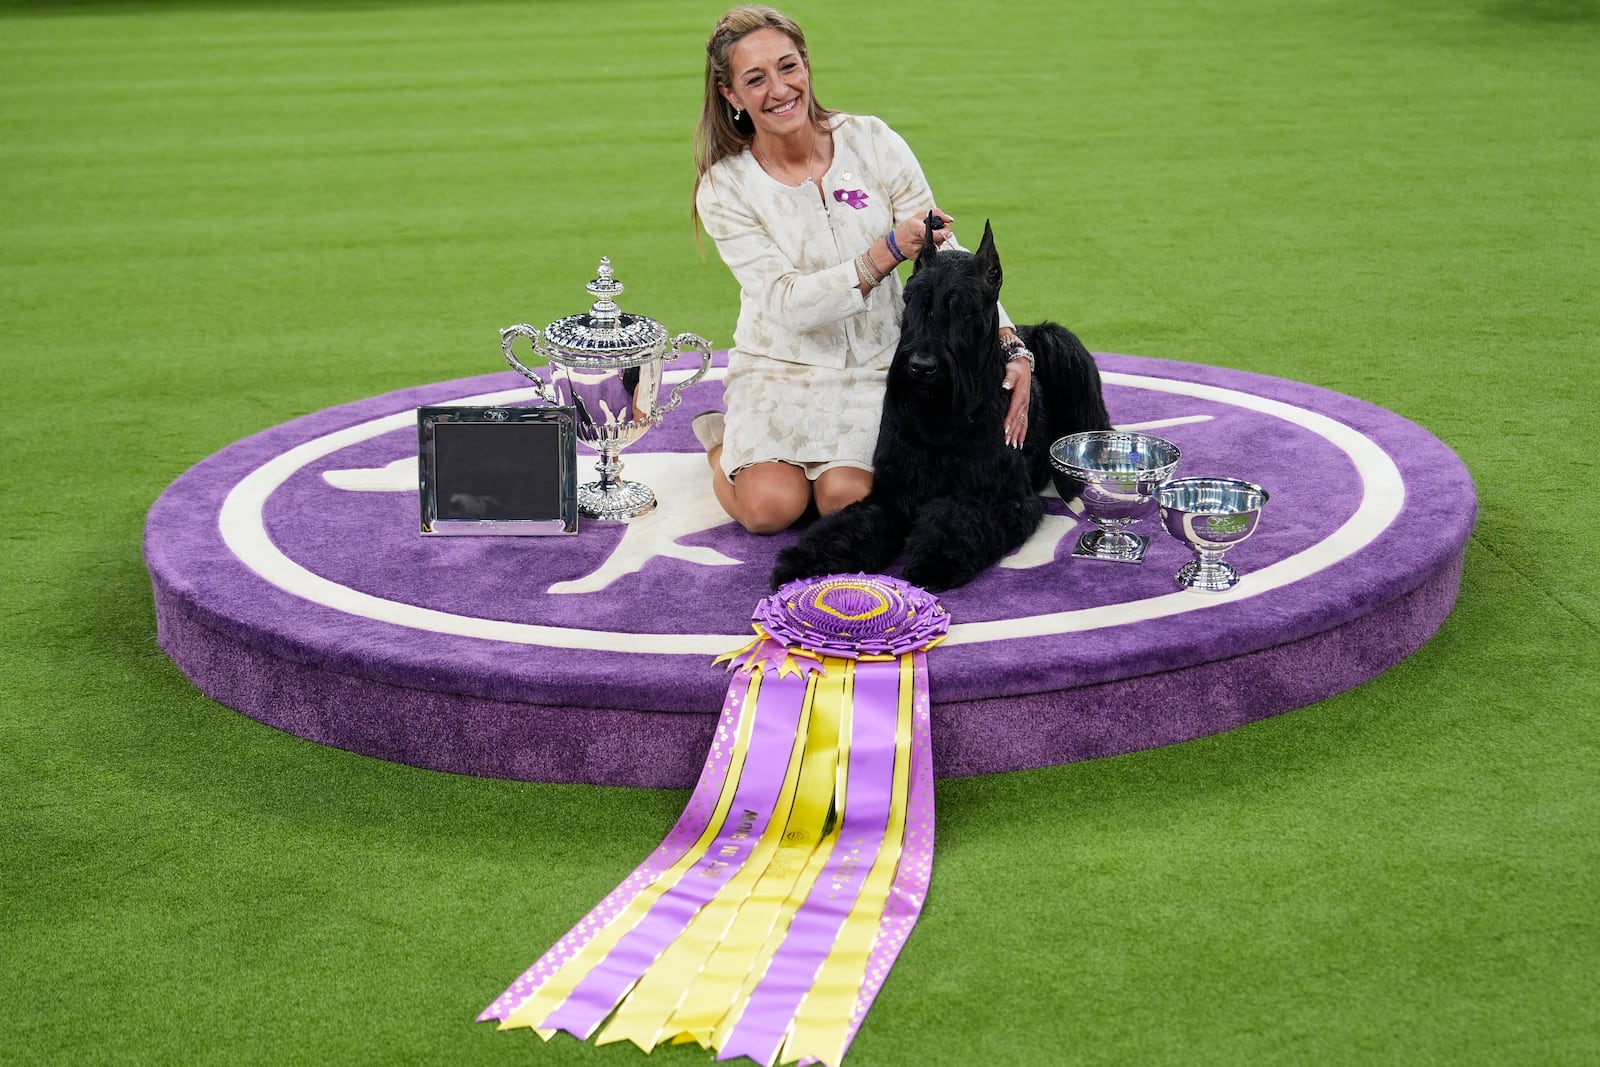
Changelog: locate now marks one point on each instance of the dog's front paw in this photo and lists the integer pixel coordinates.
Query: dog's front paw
(937, 573)
(793, 563)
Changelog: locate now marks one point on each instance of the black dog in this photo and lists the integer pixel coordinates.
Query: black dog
(946, 487)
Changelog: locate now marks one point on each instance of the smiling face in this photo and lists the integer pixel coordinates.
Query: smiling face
(770, 80)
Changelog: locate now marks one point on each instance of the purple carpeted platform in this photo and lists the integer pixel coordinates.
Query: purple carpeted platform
(291, 584)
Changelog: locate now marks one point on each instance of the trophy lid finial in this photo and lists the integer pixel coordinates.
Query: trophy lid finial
(604, 332)
(604, 313)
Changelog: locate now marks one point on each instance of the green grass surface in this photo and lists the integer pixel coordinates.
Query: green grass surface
(215, 217)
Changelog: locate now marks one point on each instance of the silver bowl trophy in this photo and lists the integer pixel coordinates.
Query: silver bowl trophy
(1120, 471)
(607, 365)
(1210, 515)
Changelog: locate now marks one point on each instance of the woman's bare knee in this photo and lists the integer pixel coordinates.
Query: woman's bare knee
(839, 487)
(765, 514)
(769, 497)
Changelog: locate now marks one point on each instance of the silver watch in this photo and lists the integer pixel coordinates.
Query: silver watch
(1017, 350)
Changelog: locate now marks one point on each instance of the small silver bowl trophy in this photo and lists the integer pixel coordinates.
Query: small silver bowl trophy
(1127, 476)
(1210, 515)
(1121, 472)
(606, 364)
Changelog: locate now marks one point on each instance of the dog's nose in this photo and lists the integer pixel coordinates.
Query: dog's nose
(921, 366)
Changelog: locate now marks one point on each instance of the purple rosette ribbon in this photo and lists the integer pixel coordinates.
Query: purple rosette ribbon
(852, 616)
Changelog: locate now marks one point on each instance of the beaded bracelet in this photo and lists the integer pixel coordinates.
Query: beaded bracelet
(868, 270)
(894, 247)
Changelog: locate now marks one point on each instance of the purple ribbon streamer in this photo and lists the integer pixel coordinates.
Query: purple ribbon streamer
(761, 1029)
(771, 744)
(910, 887)
(689, 828)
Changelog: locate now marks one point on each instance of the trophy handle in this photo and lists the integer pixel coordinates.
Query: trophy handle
(686, 342)
(507, 337)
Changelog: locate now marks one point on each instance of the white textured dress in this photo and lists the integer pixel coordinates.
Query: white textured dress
(806, 374)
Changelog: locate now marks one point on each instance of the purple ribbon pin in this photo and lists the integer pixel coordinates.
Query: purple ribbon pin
(856, 198)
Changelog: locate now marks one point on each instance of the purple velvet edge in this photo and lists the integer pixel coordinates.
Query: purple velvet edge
(619, 746)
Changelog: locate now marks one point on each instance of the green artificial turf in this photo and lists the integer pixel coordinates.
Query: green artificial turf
(215, 217)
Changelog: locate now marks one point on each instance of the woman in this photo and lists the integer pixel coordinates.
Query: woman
(812, 210)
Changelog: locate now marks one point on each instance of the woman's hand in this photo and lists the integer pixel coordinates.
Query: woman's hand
(912, 234)
(1019, 382)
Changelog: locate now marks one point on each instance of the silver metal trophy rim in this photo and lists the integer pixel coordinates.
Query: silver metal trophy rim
(583, 350)
(1185, 500)
(1109, 541)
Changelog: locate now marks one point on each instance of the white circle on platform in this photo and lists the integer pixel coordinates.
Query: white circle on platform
(242, 525)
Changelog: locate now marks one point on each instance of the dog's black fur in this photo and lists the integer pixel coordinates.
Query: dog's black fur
(946, 488)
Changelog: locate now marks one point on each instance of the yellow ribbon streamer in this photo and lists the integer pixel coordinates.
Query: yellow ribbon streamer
(559, 986)
(758, 929)
(821, 1027)
(843, 672)
(643, 1015)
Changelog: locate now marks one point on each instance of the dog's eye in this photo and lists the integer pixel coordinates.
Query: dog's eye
(961, 307)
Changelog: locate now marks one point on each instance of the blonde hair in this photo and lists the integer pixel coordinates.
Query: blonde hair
(717, 135)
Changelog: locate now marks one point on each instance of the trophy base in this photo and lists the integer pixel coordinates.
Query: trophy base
(615, 502)
(1212, 577)
(1114, 547)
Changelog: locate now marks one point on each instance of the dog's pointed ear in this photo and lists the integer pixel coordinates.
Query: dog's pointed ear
(989, 259)
(929, 249)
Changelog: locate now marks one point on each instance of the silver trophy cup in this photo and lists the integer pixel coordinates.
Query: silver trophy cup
(1210, 515)
(1121, 471)
(606, 364)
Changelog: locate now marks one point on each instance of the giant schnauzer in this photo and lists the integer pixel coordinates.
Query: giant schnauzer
(946, 489)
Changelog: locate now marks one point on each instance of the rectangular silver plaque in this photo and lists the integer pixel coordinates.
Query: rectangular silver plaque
(492, 471)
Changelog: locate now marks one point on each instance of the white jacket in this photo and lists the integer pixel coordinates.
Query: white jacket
(794, 255)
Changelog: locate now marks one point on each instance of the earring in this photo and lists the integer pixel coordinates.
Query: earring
(738, 113)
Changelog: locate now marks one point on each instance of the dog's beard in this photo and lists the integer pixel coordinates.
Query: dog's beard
(937, 410)
(948, 405)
